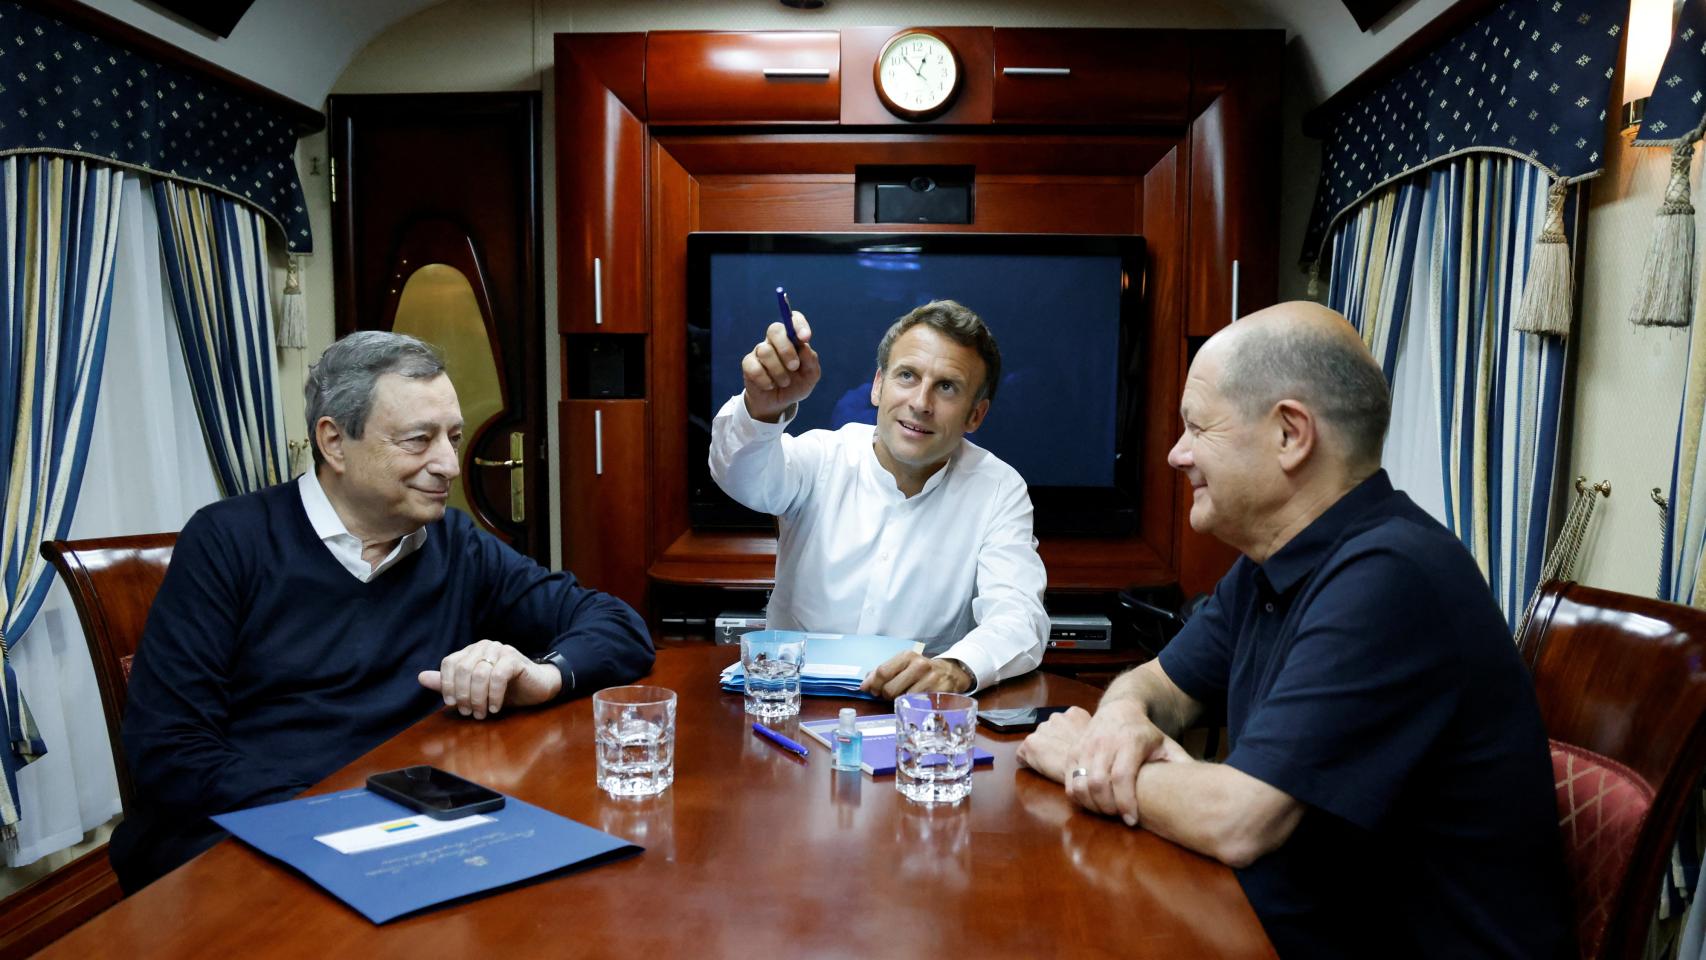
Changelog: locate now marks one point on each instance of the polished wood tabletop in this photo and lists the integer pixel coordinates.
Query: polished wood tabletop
(752, 853)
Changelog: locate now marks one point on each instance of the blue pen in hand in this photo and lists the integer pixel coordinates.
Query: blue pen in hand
(787, 315)
(779, 740)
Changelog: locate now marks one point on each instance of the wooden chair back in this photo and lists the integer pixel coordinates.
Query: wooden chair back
(1625, 678)
(112, 581)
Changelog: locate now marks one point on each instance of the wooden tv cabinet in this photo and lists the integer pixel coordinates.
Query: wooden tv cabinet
(1171, 134)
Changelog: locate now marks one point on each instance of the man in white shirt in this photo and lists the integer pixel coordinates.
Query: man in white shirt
(904, 529)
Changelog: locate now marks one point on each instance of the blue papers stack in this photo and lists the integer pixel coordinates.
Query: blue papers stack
(836, 663)
(399, 861)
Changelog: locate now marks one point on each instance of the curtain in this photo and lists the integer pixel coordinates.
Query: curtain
(69, 92)
(215, 253)
(1396, 319)
(1464, 229)
(1501, 392)
(61, 222)
(1685, 523)
(1373, 268)
(147, 471)
(1681, 581)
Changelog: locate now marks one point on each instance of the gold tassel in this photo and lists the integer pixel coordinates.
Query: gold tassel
(1665, 295)
(1545, 304)
(293, 313)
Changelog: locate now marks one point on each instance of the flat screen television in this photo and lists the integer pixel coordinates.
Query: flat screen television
(1065, 311)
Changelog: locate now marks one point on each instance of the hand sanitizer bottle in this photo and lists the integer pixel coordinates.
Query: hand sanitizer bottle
(849, 745)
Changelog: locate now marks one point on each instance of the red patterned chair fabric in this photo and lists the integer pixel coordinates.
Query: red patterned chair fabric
(1601, 806)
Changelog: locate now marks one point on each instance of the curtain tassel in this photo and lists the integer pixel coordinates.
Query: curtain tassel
(1313, 291)
(1546, 298)
(293, 314)
(1664, 297)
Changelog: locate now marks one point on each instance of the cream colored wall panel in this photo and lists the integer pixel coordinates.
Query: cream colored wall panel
(1628, 378)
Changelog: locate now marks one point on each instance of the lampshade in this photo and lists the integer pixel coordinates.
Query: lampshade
(1650, 26)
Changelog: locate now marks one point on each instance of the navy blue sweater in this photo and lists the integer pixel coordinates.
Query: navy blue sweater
(266, 666)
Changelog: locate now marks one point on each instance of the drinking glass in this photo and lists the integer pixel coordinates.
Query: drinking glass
(772, 665)
(933, 746)
(635, 730)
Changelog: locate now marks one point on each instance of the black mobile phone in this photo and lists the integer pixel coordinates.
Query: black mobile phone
(1016, 719)
(439, 795)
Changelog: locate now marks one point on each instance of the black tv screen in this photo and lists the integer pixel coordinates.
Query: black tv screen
(1064, 310)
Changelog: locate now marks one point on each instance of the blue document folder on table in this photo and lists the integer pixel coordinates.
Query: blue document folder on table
(386, 860)
(836, 663)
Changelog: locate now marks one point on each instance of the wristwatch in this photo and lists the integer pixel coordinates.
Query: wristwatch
(557, 660)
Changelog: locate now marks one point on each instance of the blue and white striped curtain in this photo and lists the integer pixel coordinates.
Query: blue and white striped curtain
(1680, 569)
(1683, 580)
(61, 220)
(1499, 392)
(216, 261)
(1373, 268)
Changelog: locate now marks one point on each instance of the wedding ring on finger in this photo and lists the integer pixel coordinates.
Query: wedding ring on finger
(1080, 772)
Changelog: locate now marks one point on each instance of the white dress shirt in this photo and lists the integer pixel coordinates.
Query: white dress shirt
(346, 546)
(955, 566)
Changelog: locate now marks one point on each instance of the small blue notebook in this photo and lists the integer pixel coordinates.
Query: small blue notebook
(836, 663)
(386, 860)
(877, 749)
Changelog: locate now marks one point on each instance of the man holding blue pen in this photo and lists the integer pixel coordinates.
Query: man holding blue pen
(904, 529)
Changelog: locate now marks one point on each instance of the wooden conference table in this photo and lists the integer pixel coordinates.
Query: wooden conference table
(751, 853)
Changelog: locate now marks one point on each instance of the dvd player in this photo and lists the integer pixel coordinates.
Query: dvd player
(1080, 633)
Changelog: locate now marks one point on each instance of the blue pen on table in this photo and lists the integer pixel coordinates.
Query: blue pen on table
(779, 740)
(787, 309)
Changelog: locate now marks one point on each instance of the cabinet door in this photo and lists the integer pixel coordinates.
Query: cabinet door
(791, 76)
(601, 208)
(1091, 76)
(605, 491)
(1234, 200)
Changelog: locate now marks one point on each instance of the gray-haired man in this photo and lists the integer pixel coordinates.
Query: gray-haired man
(300, 626)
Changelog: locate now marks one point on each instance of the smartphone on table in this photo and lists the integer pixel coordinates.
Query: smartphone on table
(437, 793)
(1016, 719)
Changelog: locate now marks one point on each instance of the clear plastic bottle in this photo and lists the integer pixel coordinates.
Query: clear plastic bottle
(849, 742)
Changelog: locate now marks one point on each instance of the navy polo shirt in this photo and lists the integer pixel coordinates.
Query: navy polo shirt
(1366, 671)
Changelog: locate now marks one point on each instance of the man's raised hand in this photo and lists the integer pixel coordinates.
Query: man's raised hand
(778, 374)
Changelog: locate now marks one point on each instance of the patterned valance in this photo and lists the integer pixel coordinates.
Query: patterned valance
(1531, 78)
(1676, 113)
(65, 91)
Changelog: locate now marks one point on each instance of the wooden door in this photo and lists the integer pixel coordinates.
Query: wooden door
(435, 210)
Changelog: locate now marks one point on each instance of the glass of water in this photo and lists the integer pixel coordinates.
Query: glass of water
(635, 728)
(772, 663)
(933, 749)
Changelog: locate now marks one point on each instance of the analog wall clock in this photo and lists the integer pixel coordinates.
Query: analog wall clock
(917, 74)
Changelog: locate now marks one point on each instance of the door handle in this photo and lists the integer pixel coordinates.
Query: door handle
(516, 465)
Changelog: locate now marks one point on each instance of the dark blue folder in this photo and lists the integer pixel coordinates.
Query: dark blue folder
(521, 842)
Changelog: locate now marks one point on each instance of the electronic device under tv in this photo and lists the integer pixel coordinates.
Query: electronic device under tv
(1065, 310)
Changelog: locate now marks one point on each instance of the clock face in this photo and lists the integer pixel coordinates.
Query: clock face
(917, 75)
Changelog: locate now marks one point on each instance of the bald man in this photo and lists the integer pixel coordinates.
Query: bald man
(1388, 790)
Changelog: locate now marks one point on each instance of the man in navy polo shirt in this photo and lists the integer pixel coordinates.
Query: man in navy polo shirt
(1388, 790)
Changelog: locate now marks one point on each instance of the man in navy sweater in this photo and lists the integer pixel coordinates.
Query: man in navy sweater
(303, 625)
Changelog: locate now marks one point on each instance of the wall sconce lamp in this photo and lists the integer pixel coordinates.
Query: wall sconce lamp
(1651, 23)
